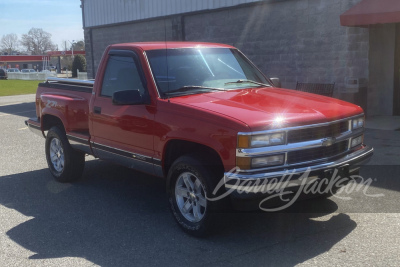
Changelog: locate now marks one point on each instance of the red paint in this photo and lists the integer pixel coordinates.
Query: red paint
(21, 58)
(259, 108)
(370, 12)
(211, 119)
(70, 107)
(171, 45)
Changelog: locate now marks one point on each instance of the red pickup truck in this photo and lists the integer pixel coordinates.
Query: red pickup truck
(203, 117)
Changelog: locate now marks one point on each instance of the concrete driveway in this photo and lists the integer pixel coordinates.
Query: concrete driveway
(118, 217)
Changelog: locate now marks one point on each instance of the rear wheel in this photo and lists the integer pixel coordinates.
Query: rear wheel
(65, 163)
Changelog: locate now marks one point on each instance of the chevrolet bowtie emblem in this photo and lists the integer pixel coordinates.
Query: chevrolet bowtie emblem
(328, 141)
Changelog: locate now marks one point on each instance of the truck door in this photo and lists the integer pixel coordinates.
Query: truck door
(123, 133)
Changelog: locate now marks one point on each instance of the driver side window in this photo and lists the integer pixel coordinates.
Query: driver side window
(121, 74)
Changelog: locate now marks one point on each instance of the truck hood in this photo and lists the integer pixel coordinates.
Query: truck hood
(266, 108)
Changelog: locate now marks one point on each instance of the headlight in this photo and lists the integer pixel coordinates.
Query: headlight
(357, 141)
(267, 140)
(247, 163)
(262, 140)
(358, 123)
(268, 161)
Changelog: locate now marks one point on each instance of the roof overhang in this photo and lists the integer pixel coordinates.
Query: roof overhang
(370, 12)
(22, 58)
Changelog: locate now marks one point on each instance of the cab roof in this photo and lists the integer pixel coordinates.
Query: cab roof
(170, 45)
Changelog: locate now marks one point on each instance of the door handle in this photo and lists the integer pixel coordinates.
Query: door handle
(97, 110)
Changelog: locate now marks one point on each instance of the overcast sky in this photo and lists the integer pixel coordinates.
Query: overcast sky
(61, 18)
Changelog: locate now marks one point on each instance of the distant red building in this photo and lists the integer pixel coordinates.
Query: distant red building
(33, 62)
(22, 62)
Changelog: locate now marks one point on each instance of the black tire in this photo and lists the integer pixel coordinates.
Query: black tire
(73, 161)
(209, 179)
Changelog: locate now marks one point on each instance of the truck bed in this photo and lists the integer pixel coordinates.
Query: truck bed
(68, 100)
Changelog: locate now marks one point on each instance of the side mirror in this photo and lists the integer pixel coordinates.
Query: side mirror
(127, 97)
(276, 82)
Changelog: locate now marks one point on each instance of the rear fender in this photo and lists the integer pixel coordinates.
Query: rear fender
(67, 108)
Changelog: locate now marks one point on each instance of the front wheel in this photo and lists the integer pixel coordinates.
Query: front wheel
(65, 163)
(190, 197)
(190, 184)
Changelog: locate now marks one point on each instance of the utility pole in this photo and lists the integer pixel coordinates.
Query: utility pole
(72, 47)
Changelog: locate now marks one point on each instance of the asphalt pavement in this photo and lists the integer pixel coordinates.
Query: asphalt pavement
(118, 217)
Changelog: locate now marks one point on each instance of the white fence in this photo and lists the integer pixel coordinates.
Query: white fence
(82, 75)
(37, 76)
(42, 76)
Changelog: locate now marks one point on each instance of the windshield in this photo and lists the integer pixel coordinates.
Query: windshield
(195, 70)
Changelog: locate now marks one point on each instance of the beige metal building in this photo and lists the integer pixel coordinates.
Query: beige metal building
(352, 43)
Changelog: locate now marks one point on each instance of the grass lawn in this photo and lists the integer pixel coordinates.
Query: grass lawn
(18, 87)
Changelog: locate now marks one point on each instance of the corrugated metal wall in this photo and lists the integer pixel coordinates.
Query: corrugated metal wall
(101, 12)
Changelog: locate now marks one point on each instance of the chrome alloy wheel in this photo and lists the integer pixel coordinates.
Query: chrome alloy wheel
(190, 197)
(57, 154)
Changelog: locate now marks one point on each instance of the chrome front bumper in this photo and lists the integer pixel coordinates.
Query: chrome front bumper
(353, 160)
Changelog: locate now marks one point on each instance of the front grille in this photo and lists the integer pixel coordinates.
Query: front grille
(316, 153)
(315, 133)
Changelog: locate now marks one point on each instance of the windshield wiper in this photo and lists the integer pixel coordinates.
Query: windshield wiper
(191, 87)
(248, 81)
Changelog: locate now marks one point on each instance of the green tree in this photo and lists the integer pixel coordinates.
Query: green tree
(78, 46)
(78, 64)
